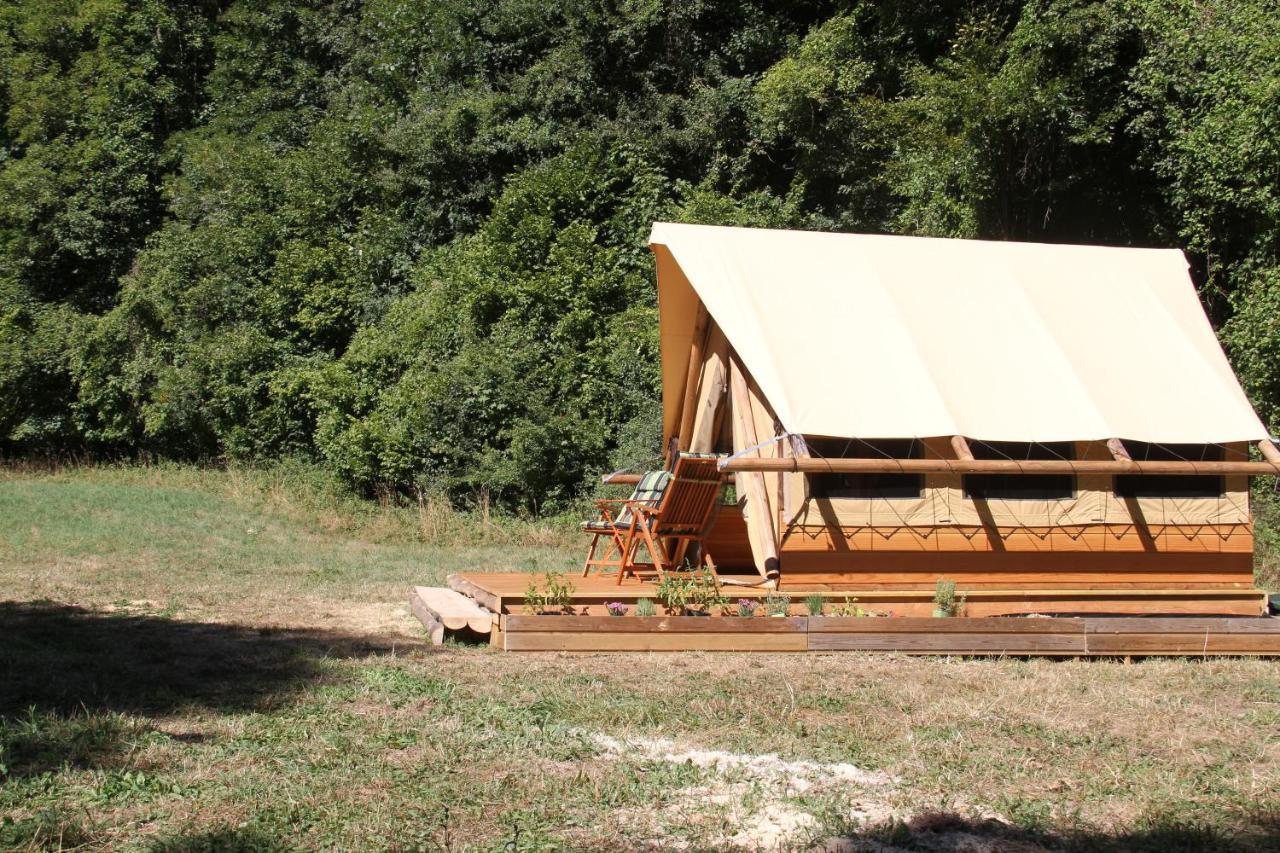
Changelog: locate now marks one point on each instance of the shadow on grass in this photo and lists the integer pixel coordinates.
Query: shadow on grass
(74, 681)
(945, 831)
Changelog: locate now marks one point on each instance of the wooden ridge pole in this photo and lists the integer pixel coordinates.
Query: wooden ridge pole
(753, 482)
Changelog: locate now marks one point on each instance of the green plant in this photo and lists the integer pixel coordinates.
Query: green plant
(673, 592)
(694, 590)
(534, 599)
(645, 607)
(814, 602)
(777, 605)
(746, 607)
(704, 592)
(557, 594)
(944, 598)
(849, 608)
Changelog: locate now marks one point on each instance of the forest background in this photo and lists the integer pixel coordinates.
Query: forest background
(406, 241)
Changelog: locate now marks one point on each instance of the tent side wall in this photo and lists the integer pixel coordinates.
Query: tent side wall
(1006, 565)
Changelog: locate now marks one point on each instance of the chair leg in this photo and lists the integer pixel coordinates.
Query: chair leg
(591, 552)
(627, 551)
(660, 559)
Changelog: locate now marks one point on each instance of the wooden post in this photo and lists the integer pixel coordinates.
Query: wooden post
(700, 330)
(1119, 452)
(753, 483)
(711, 396)
(961, 446)
(1269, 452)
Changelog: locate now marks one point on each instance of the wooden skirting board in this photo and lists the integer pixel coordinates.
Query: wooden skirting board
(1052, 637)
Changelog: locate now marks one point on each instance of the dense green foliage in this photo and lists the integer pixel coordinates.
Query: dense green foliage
(408, 238)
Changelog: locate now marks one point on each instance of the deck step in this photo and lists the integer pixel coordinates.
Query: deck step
(441, 609)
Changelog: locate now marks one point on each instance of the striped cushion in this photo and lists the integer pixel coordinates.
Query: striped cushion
(649, 490)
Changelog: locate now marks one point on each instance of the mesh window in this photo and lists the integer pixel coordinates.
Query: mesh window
(886, 486)
(1020, 487)
(1171, 485)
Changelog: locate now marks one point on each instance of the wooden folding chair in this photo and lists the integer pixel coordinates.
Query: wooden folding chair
(616, 526)
(681, 518)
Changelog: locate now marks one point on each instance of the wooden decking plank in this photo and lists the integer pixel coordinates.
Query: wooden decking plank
(1191, 643)
(536, 641)
(1156, 624)
(905, 624)
(951, 644)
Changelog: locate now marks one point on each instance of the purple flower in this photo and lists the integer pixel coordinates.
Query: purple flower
(616, 608)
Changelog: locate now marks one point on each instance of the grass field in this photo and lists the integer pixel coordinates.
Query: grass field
(222, 660)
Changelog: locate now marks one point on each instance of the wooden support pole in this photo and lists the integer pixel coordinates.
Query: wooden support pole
(814, 465)
(757, 509)
(701, 327)
(1270, 453)
(1119, 452)
(961, 446)
(709, 403)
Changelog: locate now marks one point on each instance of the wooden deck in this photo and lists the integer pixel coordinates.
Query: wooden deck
(589, 630)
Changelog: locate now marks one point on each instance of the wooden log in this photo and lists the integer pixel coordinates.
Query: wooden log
(1269, 452)
(711, 396)
(488, 599)
(757, 509)
(701, 329)
(1118, 452)
(961, 446)
(814, 465)
(621, 478)
(435, 630)
(453, 610)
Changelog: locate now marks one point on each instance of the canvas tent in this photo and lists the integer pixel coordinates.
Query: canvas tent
(778, 343)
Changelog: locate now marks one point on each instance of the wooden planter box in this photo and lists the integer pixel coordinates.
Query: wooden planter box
(654, 633)
(1059, 637)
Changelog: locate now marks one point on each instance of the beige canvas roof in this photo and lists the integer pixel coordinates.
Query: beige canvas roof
(884, 337)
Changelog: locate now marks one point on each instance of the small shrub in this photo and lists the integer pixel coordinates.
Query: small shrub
(693, 591)
(556, 594)
(777, 605)
(848, 608)
(704, 592)
(944, 598)
(645, 607)
(746, 607)
(814, 602)
(673, 592)
(534, 600)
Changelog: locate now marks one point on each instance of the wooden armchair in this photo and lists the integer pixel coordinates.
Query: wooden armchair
(616, 527)
(680, 518)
